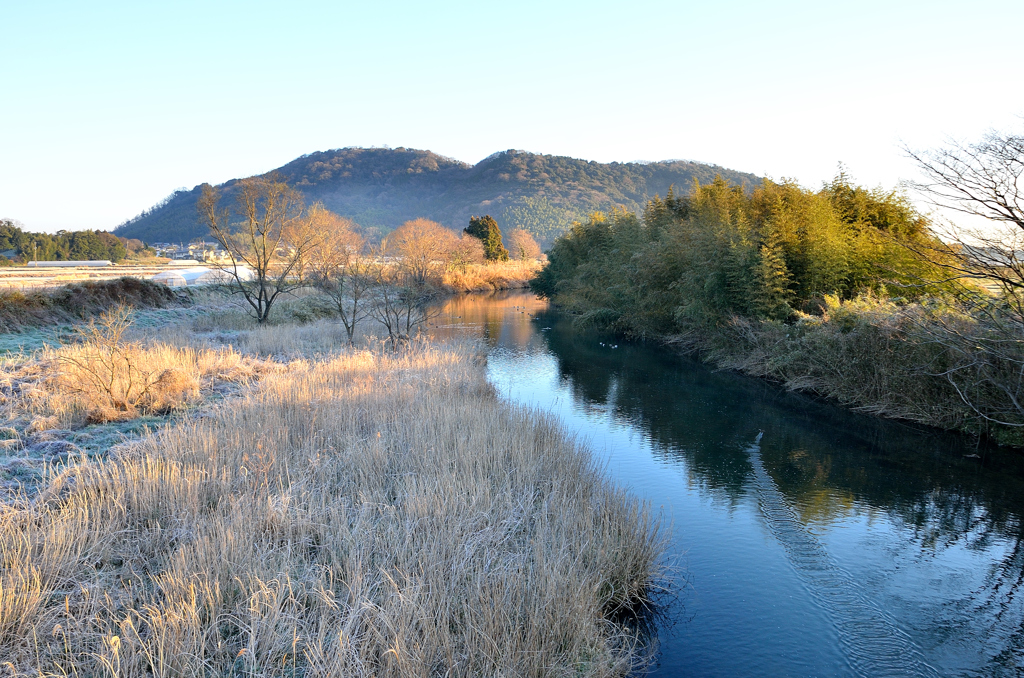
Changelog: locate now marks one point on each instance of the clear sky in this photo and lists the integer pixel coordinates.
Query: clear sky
(107, 107)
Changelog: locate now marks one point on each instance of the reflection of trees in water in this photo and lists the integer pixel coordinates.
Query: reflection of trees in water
(503, 318)
(829, 463)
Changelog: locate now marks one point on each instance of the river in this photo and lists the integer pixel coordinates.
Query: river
(805, 540)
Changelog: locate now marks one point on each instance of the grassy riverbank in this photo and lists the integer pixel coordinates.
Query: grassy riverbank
(78, 301)
(919, 362)
(823, 291)
(313, 510)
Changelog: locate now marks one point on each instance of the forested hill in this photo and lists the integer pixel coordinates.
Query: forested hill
(382, 188)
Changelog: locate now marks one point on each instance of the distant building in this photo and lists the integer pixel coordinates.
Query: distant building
(200, 275)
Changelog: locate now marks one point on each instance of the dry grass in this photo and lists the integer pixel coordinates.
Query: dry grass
(51, 389)
(366, 514)
(81, 300)
(932, 364)
(499, 275)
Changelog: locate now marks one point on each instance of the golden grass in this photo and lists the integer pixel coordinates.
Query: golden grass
(51, 388)
(498, 275)
(361, 514)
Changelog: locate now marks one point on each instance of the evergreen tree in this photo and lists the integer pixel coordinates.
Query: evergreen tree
(770, 283)
(486, 230)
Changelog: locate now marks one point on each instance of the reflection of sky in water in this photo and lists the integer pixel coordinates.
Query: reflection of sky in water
(866, 546)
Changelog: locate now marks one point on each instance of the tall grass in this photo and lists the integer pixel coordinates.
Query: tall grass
(496, 275)
(364, 514)
(58, 387)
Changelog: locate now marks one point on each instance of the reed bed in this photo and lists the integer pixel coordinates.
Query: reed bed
(497, 275)
(367, 513)
(931, 363)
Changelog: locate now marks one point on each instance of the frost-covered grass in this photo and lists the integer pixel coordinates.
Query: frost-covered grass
(311, 509)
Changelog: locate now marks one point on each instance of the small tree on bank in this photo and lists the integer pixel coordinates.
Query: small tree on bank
(424, 247)
(466, 250)
(486, 229)
(399, 299)
(267, 245)
(334, 267)
(985, 363)
(981, 180)
(522, 245)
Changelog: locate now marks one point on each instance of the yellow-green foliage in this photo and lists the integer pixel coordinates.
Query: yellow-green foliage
(820, 290)
(721, 251)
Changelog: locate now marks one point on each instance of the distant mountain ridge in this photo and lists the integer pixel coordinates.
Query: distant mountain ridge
(380, 188)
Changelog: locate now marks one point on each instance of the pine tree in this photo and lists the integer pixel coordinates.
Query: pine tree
(486, 230)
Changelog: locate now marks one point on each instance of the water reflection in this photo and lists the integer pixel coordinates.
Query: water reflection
(849, 521)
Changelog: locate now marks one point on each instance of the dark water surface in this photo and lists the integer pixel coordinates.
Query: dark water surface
(839, 545)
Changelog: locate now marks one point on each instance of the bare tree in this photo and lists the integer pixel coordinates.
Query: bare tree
(466, 250)
(424, 247)
(984, 346)
(334, 266)
(980, 180)
(268, 242)
(399, 301)
(522, 245)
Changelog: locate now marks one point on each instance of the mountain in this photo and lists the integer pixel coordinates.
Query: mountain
(379, 188)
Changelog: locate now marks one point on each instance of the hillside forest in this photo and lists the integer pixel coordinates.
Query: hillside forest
(379, 189)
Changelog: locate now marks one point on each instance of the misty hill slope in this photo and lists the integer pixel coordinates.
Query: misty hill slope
(381, 188)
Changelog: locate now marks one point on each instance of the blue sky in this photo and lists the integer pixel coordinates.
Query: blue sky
(108, 107)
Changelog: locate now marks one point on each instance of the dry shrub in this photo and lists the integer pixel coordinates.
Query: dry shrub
(172, 388)
(105, 369)
(374, 514)
(109, 379)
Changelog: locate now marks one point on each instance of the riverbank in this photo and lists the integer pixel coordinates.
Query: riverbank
(923, 363)
(306, 507)
(825, 291)
(914, 362)
(78, 301)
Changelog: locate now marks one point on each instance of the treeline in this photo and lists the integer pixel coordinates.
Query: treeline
(21, 246)
(721, 252)
(843, 291)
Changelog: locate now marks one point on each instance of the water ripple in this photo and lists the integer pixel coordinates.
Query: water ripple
(873, 643)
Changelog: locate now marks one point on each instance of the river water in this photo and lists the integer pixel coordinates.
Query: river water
(806, 540)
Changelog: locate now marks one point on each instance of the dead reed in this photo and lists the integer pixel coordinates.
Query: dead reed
(109, 378)
(498, 275)
(367, 513)
(932, 364)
